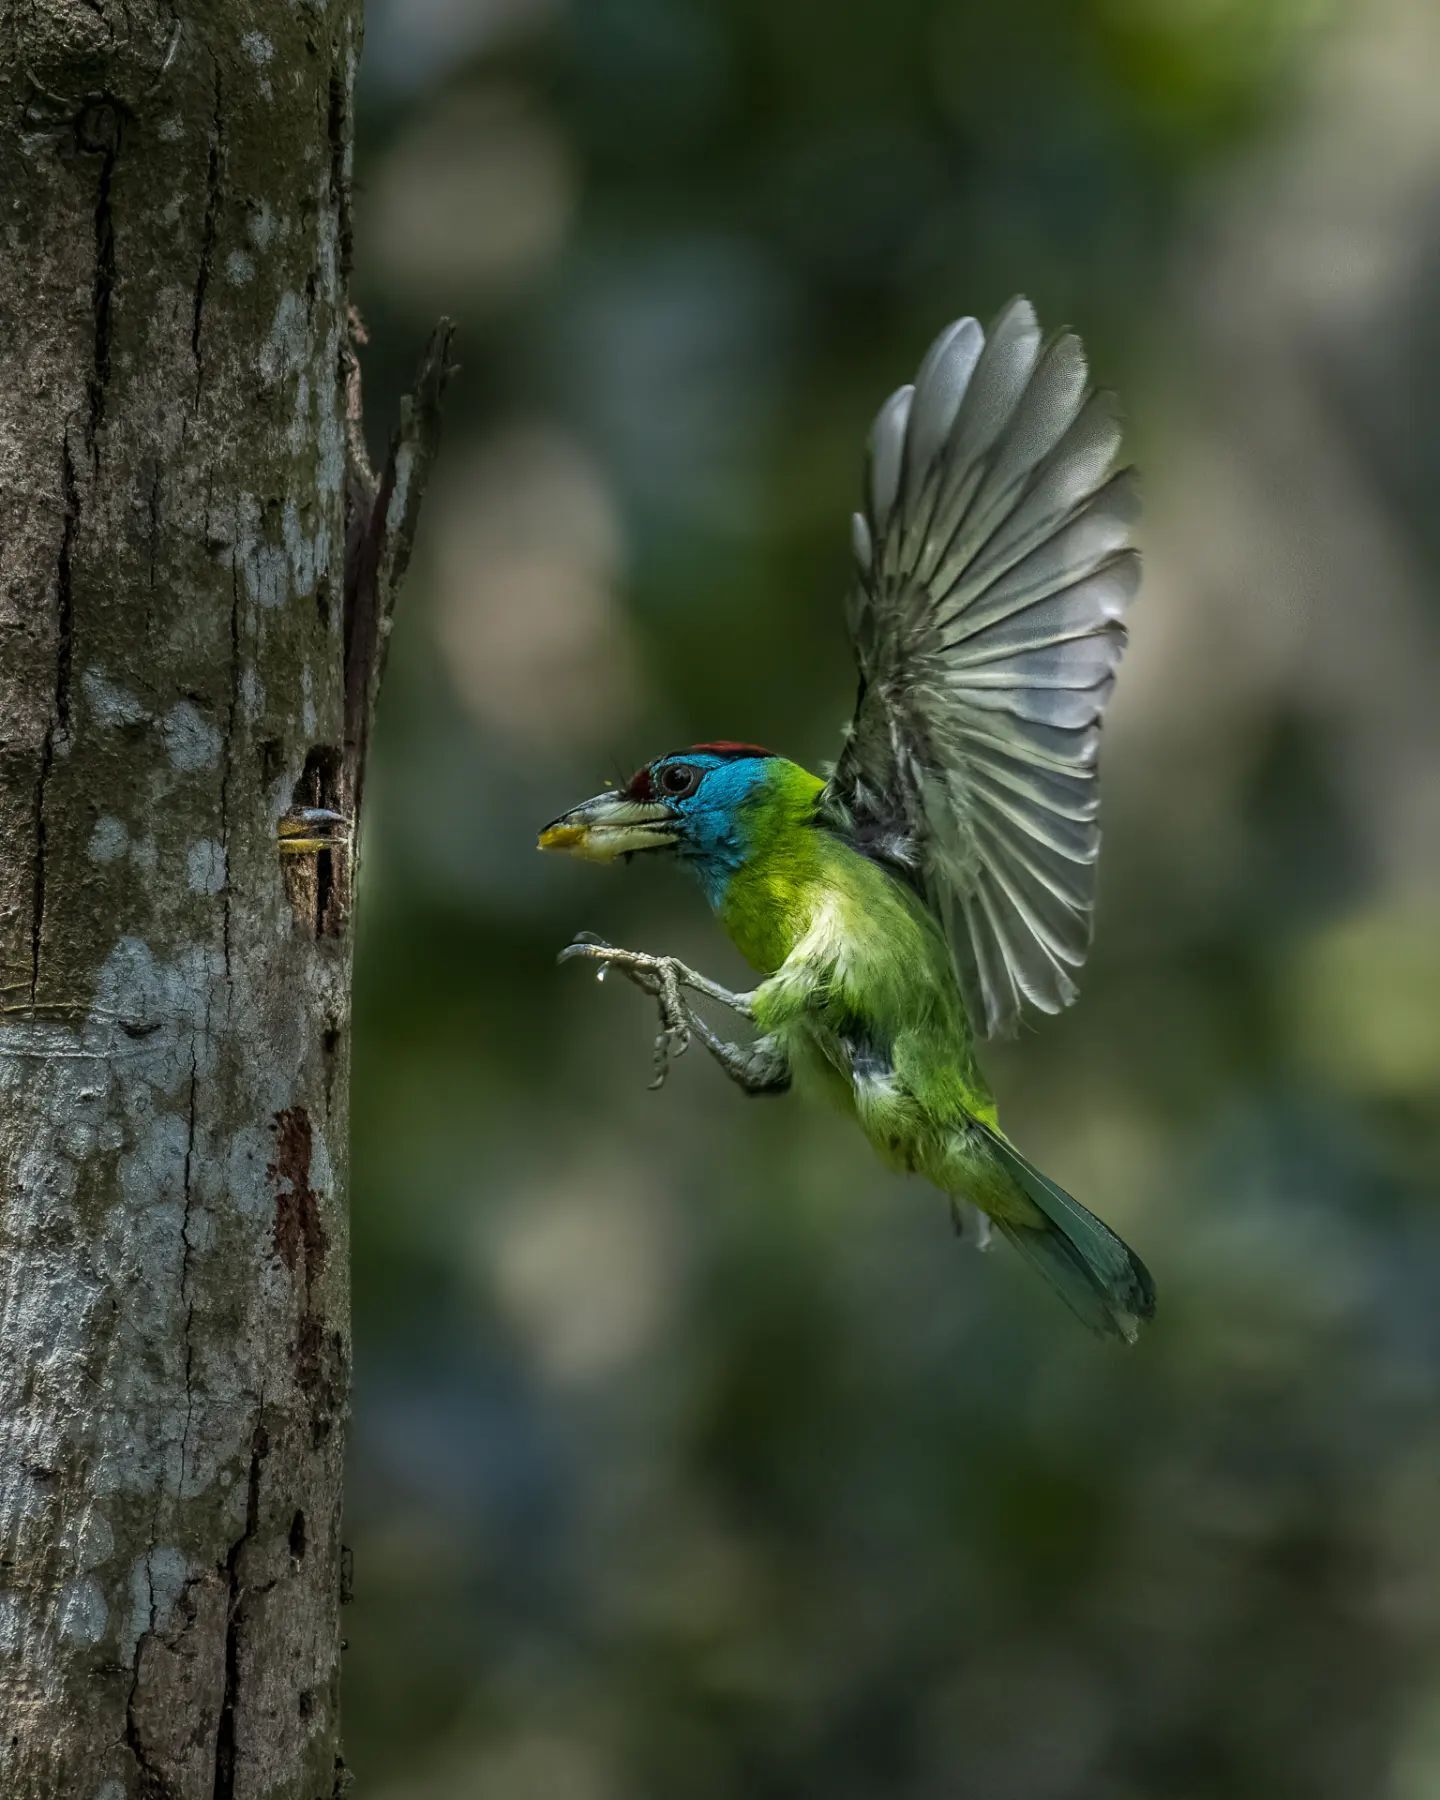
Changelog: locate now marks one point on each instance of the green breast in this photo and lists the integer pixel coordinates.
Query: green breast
(769, 902)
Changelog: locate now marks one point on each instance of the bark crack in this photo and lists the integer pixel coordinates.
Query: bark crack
(228, 768)
(153, 505)
(64, 592)
(37, 915)
(97, 130)
(152, 1779)
(188, 1248)
(59, 724)
(209, 231)
(226, 1748)
(337, 127)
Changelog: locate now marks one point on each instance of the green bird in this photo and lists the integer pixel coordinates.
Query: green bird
(942, 877)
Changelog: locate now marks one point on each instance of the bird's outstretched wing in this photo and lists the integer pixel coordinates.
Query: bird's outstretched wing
(995, 568)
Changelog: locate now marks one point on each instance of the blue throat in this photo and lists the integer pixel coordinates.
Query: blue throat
(716, 840)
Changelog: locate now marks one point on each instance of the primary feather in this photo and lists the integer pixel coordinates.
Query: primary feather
(995, 567)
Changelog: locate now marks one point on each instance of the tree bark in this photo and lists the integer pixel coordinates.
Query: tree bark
(195, 577)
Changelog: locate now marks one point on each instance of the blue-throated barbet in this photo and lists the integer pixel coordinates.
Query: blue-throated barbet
(943, 875)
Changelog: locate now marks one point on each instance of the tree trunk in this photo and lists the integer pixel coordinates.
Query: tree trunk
(195, 575)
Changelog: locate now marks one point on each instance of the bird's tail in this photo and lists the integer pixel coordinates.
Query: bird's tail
(1096, 1274)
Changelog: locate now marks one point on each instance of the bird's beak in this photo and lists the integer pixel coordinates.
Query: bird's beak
(611, 825)
(306, 830)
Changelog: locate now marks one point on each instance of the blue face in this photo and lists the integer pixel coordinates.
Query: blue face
(708, 794)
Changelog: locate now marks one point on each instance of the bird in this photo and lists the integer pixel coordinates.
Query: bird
(938, 880)
(307, 830)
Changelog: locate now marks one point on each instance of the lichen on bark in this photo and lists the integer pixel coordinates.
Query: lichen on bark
(180, 478)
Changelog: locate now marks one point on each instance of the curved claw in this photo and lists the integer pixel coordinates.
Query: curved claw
(593, 948)
(635, 965)
(580, 946)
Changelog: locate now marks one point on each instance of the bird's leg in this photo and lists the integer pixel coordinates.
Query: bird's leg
(971, 1225)
(663, 977)
(758, 1068)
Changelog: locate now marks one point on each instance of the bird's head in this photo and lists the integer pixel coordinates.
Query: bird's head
(690, 801)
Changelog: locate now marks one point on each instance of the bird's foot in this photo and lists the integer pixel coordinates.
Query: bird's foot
(658, 976)
(588, 944)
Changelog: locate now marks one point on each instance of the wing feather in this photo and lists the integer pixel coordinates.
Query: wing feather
(995, 569)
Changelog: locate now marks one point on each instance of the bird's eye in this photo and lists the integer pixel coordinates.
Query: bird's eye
(678, 778)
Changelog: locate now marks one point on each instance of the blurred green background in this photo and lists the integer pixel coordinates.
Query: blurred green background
(692, 1457)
